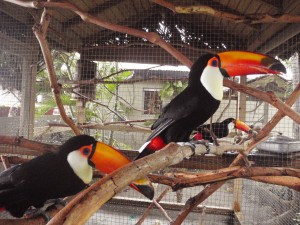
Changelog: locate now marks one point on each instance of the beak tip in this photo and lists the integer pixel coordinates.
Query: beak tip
(278, 67)
(146, 190)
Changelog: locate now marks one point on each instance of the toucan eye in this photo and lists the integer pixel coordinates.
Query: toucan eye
(86, 151)
(214, 62)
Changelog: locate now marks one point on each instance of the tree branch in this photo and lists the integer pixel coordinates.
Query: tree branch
(209, 190)
(268, 96)
(147, 211)
(288, 177)
(25, 143)
(250, 19)
(91, 199)
(40, 31)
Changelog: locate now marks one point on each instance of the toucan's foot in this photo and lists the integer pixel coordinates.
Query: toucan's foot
(190, 144)
(33, 213)
(202, 142)
(193, 145)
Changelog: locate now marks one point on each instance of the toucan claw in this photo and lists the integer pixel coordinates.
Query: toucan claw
(33, 213)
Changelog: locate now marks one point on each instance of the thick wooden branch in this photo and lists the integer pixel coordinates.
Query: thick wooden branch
(25, 143)
(269, 97)
(288, 181)
(90, 200)
(31, 221)
(207, 10)
(40, 31)
(150, 36)
(262, 174)
(209, 190)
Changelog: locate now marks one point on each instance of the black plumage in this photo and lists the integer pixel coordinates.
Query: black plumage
(48, 176)
(192, 107)
(220, 129)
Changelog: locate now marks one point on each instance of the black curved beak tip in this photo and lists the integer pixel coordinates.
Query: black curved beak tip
(277, 66)
(147, 191)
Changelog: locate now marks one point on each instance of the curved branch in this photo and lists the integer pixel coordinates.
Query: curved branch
(40, 31)
(25, 143)
(269, 97)
(150, 36)
(288, 177)
(250, 19)
(209, 190)
(91, 199)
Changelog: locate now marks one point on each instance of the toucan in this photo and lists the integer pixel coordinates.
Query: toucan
(202, 97)
(59, 174)
(220, 129)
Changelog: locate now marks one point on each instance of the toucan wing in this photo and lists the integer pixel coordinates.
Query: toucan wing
(180, 107)
(12, 191)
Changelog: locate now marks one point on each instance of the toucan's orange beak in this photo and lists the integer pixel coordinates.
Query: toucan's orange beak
(107, 159)
(242, 126)
(241, 63)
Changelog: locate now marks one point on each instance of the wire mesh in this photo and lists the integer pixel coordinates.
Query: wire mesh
(109, 78)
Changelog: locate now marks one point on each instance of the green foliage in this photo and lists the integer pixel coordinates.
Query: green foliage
(171, 89)
(106, 93)
(50, 103)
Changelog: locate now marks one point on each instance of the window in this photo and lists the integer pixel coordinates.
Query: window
(152, 101)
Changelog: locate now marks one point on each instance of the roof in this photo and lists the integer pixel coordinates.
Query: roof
(266, 26)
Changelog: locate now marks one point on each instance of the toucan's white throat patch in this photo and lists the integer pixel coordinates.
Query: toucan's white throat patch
(80, 166)
(212, 80)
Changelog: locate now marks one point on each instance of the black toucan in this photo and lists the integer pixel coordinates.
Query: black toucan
(220, 129)
(60, 174)
(200, 100)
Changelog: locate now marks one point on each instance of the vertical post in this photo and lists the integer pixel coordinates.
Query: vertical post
(86, 70)
(238, 183)
(296, 80)
(29, 71)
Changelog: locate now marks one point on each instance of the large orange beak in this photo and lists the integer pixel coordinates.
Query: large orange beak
(107, 159)
(242, 126)
(241, 63)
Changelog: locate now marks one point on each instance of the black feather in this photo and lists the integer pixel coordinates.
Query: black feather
(48, 176)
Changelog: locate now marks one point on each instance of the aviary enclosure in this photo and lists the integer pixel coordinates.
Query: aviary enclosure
(106, 68)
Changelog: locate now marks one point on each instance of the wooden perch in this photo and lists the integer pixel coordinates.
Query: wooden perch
(288, 177)
(269, 97)
(209, 190)
(90, 200)
(25, 143)
(40, 31)
(250, 19)
(150, 36)
(31, 221)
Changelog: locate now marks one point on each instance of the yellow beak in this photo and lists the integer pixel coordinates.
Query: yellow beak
(242, 126)
(107, 159)
(241, 63)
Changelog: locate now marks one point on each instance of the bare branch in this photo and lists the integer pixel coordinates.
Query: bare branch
(268, 96)
(40, 31)
(147, 211)
(91, 199)
(209, 190)
(250, 19)
(99, 103)
(25, 143)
